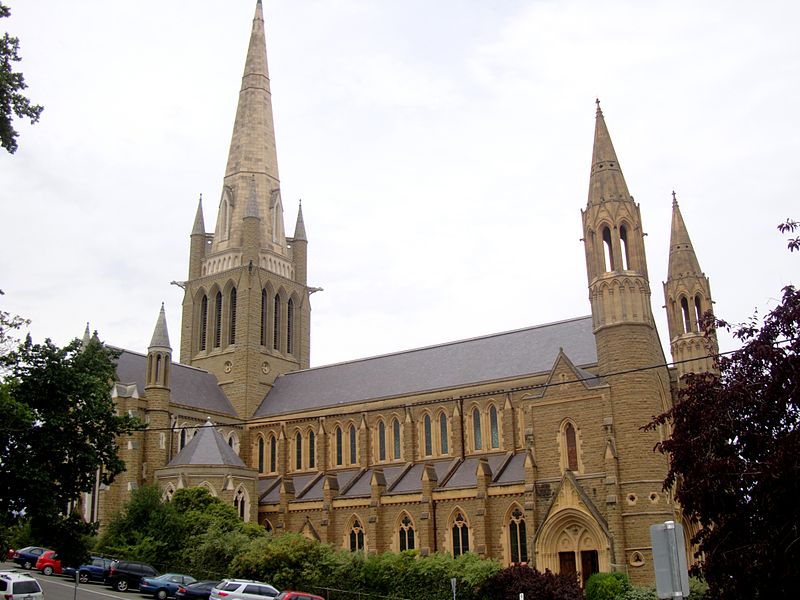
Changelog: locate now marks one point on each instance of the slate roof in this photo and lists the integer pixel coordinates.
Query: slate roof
(191, 387)
(489, 358)
(207, 447)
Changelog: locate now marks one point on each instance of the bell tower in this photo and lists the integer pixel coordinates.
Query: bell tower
(246, 312)
(629, 354)
(687, 297)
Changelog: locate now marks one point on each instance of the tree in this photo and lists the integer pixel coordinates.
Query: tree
(12, 102)
(59, 428)
(734, 458)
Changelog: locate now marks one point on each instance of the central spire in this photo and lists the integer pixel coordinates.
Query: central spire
(606, 181)
(252, 157)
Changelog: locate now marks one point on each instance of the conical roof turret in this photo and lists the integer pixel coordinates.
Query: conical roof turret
(606, 181)
(199, 227)
(682, 258)
(300, 226)
(160, 336)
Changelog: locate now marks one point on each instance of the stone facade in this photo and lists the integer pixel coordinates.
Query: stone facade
(525, 446)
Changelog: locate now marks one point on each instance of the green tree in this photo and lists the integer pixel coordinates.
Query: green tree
(734, 458)
(606, 586)
(12, 101)
(59, 428)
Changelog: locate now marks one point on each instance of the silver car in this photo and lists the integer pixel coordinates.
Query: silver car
(243, 589)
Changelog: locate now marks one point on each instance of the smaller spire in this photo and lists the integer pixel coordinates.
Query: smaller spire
(252, 203)
(87, 336)
(300, 227)
(199, 223)
(160, 335)
(682, 258)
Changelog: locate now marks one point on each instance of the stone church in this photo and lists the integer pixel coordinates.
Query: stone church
(524, 446)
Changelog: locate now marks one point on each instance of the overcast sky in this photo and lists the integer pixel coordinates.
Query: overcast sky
(441, 150)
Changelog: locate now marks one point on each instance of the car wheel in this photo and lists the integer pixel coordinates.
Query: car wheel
(27, 564)
(161, 595)
(48, 570)
(121, 585)
(83, 577)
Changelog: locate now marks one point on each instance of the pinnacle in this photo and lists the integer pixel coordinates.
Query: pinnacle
(160, 334)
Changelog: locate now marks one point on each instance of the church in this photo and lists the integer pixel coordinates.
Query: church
(524, 446)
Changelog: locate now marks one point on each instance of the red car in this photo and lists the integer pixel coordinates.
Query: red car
(49, 563)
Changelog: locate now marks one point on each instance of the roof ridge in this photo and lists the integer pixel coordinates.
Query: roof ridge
(441, 345)
(144, 355)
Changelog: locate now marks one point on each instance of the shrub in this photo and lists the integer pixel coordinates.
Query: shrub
(509, 583)
(639, 593)
(606, 586)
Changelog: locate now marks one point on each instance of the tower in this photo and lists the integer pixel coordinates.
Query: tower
(687, 297)
(157, 389)
(246, 312)
(630, 359)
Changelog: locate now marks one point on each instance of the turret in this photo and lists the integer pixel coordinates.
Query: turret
(197, 245)
(157, 393)
(687, 298)
(299, 245)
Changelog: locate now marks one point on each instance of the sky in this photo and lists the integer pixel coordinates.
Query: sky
(441, 151)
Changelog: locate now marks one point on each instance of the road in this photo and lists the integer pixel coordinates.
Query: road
(58, 587)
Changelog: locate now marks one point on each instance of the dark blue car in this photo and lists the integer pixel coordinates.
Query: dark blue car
(164, 586)
(95, 570)
(27, 557)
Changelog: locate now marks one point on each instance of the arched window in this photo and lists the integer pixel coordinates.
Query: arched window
(240, 503)
(687, 319)
(203, 321)
(698, 311)
(396, 438)
(476, 429)
(273, 454)
(263, 317)
(289, 321)
(158, 369)
(260, 454)
(339, 449)
(356, 536)
(381, 441)
(460, 532)
(312, 450)
(428, 435)
(572, 447)
(182, 439)
(623, 239)
(232, 320)
(517, 538)
(608, 253)
(443, 438)
(276, 323)
(493, 429)
(353, 445)
(298, 451)
(406, 533)
(218, 320)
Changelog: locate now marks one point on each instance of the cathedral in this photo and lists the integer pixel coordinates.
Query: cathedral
(524, 446)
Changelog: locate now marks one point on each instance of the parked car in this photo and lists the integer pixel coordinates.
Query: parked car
(97, 569)
(288, 595)
(27, 557)
(164, 586)
(49, 563)
(199, 590)
(19, 586)
(242, 589)
(126, 574)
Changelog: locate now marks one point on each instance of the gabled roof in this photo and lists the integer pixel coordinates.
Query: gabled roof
(494, 357)
(189, 386)
(207, 447)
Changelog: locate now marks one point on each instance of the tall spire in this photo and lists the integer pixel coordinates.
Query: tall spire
(682, 258)
(253, 142)
(606, 181)
(160, 335)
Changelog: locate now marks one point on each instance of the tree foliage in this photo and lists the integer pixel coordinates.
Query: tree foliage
(59, 428)
(735, 458)
(12, 101)
(606, 586)
(512, 581)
